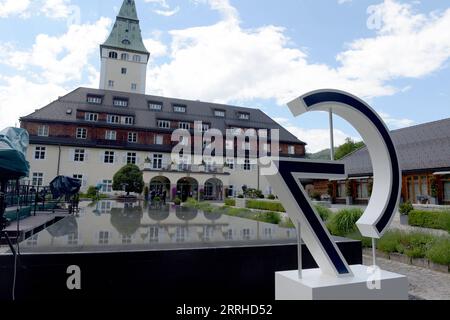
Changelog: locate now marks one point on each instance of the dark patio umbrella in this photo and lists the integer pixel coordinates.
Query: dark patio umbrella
(64, 186)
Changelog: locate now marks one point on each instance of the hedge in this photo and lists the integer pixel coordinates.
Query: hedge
(230, 202)
(430, 219)
(265, 205)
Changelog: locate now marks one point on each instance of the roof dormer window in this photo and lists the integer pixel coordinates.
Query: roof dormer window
(120, 102)
(155, 106)
(179, 108)
(124, 56)
(94, 99)
(219, 113)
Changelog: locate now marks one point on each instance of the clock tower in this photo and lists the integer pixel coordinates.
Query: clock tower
(124, 57)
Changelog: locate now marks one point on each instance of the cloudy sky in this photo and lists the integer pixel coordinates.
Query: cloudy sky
(254, 53)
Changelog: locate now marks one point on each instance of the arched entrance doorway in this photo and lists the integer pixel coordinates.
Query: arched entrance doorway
(160, 185)
(213, 189)
(187, 188)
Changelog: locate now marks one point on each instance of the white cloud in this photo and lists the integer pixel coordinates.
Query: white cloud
(55, 9)
(60, 58)
(48, 69)
(168, 13)
(156, 48)
(224, 62)
(13, 7)
(165, 8)
(396, 123)
(344, 1)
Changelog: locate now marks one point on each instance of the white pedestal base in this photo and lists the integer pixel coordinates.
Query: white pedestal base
(317, 286)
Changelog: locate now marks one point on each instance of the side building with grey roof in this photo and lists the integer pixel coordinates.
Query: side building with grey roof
(424, 154)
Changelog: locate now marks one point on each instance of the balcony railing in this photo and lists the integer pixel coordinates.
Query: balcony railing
(185, 168)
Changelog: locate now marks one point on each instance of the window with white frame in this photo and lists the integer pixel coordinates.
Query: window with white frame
(124, 56)
(37, 179)
(136, 58)
(110, 135)
(107, 185)
(108, 157)
(184, 125)
(157, 161)
(291, 150)
(103, 237)
(128, 120)
(131, 158)
(94, 99)
(91, 116)
(110, 118)
(113, 55)
(179, 108)
(132, 137)
(43, 131)
(81, 133)
(39, 153)
(164, 124)
(120, 102)
(78, 177)
(79, 155)
(126, 239)
(219, 113)
(111, 83)
(159, 139)
(134, 86)
(230, 191)
(155, 106)
(246, 234)
(124, 70)
(153, 234)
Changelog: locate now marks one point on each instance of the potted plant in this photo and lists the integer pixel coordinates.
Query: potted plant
(349, 193)
(404, 209)
(434, 190)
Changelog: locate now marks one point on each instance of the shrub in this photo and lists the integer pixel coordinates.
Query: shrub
(177, 201)
(414, 245)
(271, 197)
(405, 208)
(230, 202)
(129, 177)
(268, 217)
(389, 242)
(324, 213)
(241, 196)
(91, 192)
(264, 205)
(440, 252)
(315, 196)
(430, 219)
(344, 222)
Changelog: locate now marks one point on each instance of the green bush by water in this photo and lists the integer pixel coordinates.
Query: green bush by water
(430, 219)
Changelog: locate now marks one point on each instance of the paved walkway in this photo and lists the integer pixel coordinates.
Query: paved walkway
(423, 283)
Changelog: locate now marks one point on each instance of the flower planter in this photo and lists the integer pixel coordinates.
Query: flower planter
(404, 219)
(439, 267)
(420, 262)
(394, 256)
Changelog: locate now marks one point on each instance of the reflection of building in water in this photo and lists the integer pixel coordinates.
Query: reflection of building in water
(133, 225)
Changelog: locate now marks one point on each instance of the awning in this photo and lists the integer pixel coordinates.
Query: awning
(13, 147)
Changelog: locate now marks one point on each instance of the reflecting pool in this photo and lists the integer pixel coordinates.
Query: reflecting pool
(116, 226)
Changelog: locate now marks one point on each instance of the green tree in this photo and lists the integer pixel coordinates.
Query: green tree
(348, 147)
(128, 178)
